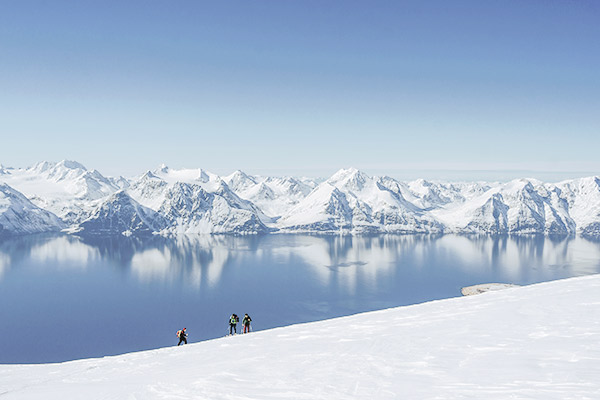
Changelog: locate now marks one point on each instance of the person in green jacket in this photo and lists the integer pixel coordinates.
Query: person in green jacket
(246, 322)
(233, 320)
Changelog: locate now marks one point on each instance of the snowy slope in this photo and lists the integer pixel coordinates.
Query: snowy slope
(20, 216)
(535, 342)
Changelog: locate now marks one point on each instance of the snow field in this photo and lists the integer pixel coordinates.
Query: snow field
(535, 342)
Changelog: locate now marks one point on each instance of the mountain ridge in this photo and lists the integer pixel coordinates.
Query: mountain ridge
(170, 201)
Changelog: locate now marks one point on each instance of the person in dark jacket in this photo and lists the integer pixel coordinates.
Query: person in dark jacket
(182, 334)
(233, 320)
(246, 322)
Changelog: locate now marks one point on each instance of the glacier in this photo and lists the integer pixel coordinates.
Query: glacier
(166, 201)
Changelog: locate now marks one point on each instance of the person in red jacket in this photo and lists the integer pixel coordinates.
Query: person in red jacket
(182, 335)
(246, 322)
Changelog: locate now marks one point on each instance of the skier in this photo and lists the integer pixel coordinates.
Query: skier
(233, 320)
(182, 335)
(246, 322)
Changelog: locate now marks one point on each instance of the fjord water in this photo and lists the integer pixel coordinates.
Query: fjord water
(64, 297)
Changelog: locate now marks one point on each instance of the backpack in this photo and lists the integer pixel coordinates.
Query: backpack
(178, 333)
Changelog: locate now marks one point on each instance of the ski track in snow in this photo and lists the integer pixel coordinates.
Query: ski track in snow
(535, 342)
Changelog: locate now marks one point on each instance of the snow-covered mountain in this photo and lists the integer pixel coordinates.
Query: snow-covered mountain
(173, 201)
(20, 216)
(273, 195)
(196, 202)
(521, 206)
(66, 188)
(352, 201)
(581, 197)
(120, 214)
(189, 208)
(533, 342)
(430, 195)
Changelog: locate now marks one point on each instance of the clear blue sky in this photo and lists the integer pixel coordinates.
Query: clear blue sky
(303, 87)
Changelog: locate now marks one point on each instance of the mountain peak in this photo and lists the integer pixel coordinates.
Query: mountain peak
(239, 172)
(69, 164)
(42, 166)
(163, 168)
(344, 172)
(239, 181)
(237, 176)
(350, 178)
(519, 184)
(148, 175)
(53, 167)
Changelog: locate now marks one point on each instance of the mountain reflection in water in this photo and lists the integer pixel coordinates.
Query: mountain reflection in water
(66, 297)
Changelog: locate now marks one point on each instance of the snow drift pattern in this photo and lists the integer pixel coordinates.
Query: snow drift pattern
(193, 201)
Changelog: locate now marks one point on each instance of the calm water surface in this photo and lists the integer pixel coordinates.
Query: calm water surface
(63, 297)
